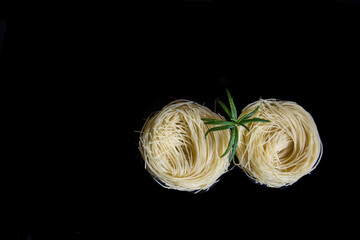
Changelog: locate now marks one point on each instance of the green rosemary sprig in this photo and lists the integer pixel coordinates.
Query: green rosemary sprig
(232, 124)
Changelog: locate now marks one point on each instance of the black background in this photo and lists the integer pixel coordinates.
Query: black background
(79, 80)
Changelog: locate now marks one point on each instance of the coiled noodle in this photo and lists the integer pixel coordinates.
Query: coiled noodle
(282, 151)
(175, 150)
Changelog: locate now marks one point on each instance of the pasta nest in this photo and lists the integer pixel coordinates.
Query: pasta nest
(280, 152)
(175, 150)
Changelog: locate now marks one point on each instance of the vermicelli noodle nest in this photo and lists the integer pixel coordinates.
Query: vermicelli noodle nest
(175, 150)
(282, 151)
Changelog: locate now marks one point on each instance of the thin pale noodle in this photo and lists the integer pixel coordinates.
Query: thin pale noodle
(175, 150)
(279, 153)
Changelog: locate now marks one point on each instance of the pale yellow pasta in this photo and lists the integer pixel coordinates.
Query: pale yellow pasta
(175, 150)
(282, 151)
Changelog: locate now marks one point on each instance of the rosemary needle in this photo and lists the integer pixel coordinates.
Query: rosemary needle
(232, 124)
